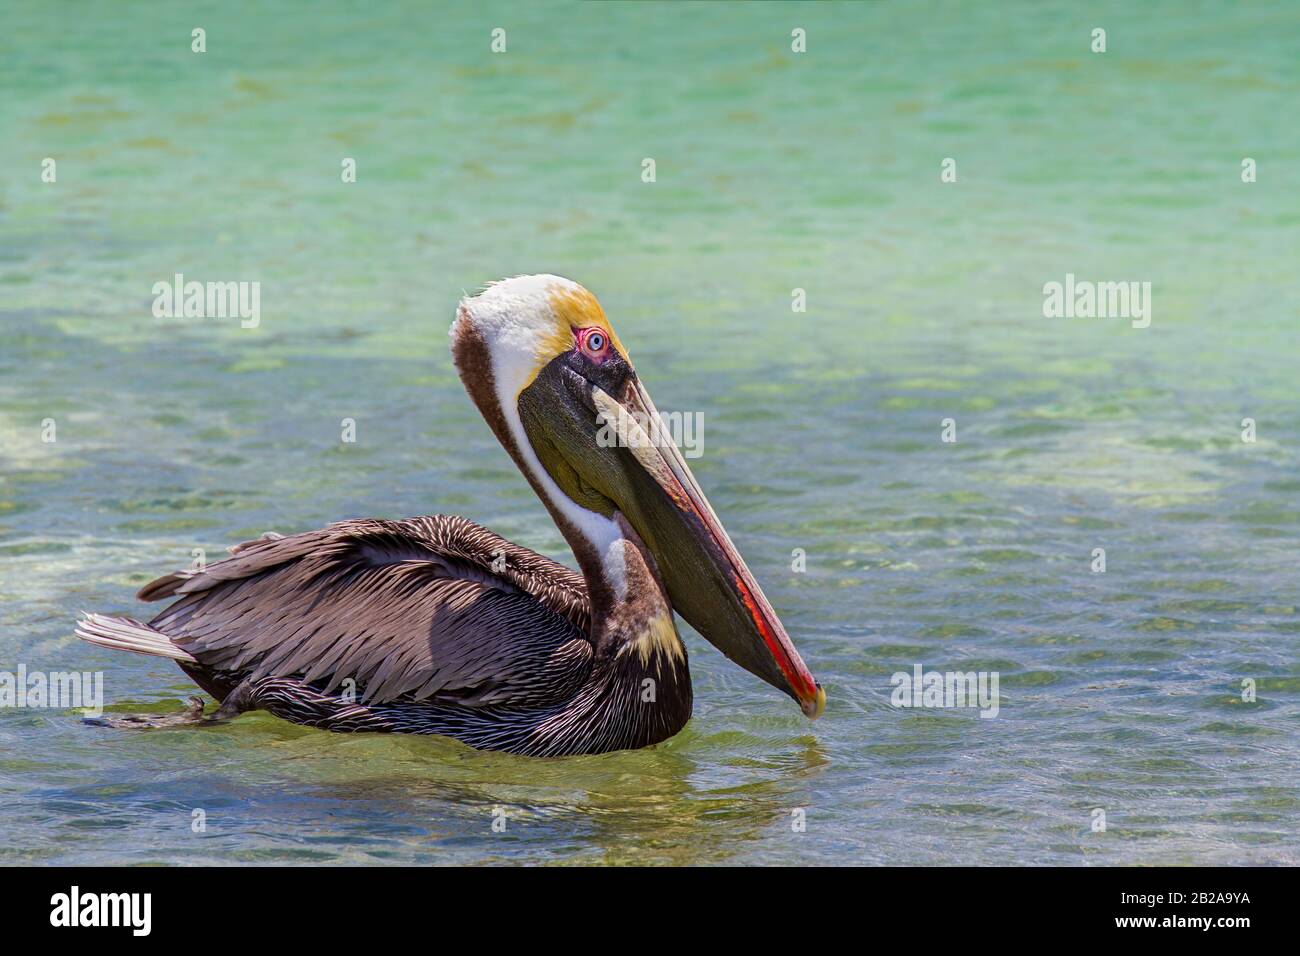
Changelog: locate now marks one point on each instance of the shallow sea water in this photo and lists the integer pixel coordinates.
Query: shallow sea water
(1120, 691)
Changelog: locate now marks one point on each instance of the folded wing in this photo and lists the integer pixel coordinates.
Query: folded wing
(425, 608)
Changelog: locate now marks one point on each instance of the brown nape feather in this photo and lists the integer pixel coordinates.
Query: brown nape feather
(473, 361)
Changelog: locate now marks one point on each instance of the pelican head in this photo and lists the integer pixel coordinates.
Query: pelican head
(547, 371)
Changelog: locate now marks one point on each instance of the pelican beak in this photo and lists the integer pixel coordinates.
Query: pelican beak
(596, 439)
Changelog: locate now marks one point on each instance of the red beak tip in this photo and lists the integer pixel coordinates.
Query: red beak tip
(813, 706)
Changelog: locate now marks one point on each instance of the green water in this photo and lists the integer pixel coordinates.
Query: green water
(1120, 691)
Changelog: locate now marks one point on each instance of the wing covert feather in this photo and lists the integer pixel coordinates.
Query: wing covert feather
(432, 607)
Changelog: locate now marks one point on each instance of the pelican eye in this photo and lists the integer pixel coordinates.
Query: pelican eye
(593, 341)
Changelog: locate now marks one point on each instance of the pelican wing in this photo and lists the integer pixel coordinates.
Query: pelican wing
(434, 607)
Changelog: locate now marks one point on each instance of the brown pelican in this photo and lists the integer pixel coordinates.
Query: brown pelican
(436, 625)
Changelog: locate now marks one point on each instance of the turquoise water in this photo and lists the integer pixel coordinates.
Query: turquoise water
(1120, 691)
